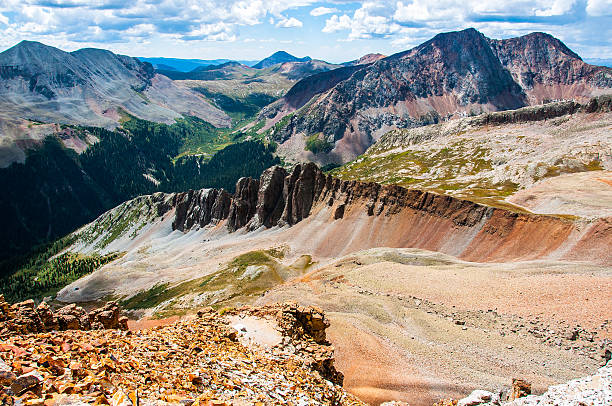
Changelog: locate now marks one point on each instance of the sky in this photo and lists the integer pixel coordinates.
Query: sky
(335, 30)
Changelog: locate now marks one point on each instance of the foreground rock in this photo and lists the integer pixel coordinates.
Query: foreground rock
(595, 390)
(303, 331)
(192, 362)
(25, 317)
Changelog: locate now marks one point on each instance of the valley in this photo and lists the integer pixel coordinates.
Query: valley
(405, 228)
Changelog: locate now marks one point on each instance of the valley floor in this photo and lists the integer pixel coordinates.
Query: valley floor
(418, 326)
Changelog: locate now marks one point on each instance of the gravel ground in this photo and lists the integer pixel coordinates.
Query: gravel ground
(419, 333)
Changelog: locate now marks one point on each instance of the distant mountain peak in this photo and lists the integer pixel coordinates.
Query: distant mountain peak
(279, 57)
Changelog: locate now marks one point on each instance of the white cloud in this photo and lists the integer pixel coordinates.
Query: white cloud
(321, 11)
(335, 23)
(558, 7)
(289, 23)
(118, 24)
(111, 21)
(373, 19)
(599, 7)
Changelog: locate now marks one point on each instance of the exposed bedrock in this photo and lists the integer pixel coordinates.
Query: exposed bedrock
(393, 216)
(197, 208)
(244, 204)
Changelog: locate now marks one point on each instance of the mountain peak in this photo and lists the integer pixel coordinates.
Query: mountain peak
(32, 46)
(540, 40)
(279, 57)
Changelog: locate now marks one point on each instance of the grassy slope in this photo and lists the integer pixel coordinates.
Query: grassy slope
(240, 281)
(485, 164)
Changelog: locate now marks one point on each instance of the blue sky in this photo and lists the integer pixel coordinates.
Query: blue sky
(332, 30)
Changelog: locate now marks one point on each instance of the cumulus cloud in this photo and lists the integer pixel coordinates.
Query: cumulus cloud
(371, 20)
(335, 23)
(321, 11)
(289, 23)
(406, 21)
(599, 7)
(583, 24)
(106, 20)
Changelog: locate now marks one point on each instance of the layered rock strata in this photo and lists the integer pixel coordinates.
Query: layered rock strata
(399, 217)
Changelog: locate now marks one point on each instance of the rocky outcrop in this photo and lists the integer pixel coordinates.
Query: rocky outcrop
(244, 203)
(595, 390)
(196, 361)
(271, 198)
(481, 233)
(200, 208)
(520, 388)
(25, 317)
(303, 330)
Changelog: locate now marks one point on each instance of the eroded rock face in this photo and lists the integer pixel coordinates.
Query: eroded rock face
(270, 200)
(244, 203)
(282, 198)
(25, 318)
(200, 208)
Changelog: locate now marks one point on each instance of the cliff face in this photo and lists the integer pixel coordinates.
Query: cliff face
(393, 216)
(452, 74)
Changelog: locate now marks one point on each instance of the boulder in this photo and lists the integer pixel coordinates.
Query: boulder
(72, 317)
(7, 377)
(26, 319)
(48, 319)
(26, 382)
(520, 388)
(107, 317)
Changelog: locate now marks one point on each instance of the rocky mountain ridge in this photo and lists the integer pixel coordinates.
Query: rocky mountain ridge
(453, 74)
(493, 156)
(89, 87)
(280, 198)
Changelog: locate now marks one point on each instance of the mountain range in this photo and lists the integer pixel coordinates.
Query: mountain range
(93, 87)
(456, 232)
(186, 65)
(453, 74)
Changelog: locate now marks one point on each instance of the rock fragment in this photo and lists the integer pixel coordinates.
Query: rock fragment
(520, 388)
(26, 382)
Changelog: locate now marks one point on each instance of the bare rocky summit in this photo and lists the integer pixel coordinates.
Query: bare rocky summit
(192, 362)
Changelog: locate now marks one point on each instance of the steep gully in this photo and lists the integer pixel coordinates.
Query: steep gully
(389, 216)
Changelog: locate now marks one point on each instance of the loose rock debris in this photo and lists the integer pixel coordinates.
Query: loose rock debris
(193, 362)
